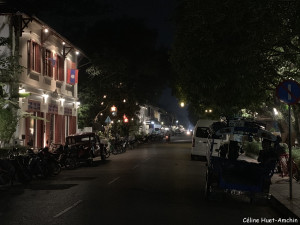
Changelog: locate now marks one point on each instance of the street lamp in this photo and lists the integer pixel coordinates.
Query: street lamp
(182, 104)
(113, 109)
(125, 119)
(275, 111)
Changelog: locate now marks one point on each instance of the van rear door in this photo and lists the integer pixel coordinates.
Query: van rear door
(201, 143)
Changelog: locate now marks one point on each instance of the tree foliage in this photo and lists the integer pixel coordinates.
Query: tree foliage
(230, 55)
(126, 64)
(9, 71)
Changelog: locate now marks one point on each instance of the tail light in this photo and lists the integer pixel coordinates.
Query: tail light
(193, 142)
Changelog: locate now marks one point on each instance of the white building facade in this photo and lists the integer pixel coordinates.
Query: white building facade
(149, 117)
(50, 76)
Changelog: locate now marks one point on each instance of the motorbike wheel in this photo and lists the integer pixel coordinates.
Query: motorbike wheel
(107, 154)
(70, 163)
(23, 176)
(55, 168)
(5, 179)
(103, 157)
(90, 162)
(114, 150)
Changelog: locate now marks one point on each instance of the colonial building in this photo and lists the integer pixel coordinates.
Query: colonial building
(50, 78)
(152, 119)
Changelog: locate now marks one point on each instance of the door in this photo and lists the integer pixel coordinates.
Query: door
(201, 140)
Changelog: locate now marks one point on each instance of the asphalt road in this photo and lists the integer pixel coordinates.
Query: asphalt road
(155, 184)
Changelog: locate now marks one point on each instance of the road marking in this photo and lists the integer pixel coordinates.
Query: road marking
(67, 209)
(146, 159)
(114, 180)
(136, 166)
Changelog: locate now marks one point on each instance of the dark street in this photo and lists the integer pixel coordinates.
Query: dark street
(152, 184)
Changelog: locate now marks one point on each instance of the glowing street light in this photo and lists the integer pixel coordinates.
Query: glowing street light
(113, 109)
(182, 104)
(125, 119)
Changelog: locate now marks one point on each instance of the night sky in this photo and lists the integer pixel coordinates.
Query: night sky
(157, 14)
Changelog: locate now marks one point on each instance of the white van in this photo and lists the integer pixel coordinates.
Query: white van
(200, 143)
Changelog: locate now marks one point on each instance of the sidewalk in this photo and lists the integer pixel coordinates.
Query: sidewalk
(280, 191)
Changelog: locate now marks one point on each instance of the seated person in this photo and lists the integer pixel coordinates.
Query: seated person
(230, 150)
(268, 153)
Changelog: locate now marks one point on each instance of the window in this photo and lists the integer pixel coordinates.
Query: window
(202, 132)
(59, 68)
(32, 131)
(66, 126)
(48, 63)
(34, 106)
(34, 56)
(51, 128)
(53, 108)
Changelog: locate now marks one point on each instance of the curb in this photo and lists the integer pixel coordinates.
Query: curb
(281, 208)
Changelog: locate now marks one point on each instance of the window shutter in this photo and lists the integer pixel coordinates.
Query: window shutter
(38, 58)
(55, 75)
(61, 68)
(29, 56)
(50, 65)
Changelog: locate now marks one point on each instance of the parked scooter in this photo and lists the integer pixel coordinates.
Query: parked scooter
(7, 172)
(53, 166)
(36, 164)
(22, 173)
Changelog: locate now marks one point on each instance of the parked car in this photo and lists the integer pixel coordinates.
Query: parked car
(86, 145)
(200, 143)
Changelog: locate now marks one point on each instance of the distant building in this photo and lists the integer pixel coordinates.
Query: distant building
(153, 119)
(50, 77)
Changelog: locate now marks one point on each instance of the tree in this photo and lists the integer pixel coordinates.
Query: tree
(126, 65)
(230, 55)
(9, 96)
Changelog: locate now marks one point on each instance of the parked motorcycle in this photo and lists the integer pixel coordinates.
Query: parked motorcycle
(22, 173)
(36, 164)
(7, 172)
(53, 166)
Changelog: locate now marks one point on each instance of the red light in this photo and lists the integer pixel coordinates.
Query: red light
(125, 119)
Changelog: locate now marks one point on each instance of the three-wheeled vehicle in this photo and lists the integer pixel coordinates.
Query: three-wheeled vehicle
(83, 148)
(227, 173)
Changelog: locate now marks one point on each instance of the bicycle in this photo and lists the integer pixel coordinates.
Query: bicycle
(111, 149)
(284, 165)
(7, 172)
